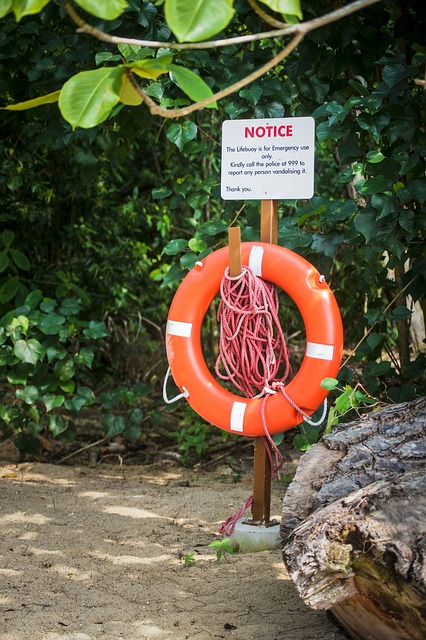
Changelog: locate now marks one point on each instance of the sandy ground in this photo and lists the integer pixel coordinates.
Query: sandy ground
(99, 553)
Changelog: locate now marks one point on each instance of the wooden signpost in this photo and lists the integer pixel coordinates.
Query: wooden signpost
(265, 160)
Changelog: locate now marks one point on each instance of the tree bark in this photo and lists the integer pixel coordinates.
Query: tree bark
(354, 525)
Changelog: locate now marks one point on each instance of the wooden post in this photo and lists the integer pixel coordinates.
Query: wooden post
(234, 241)
(269, 221)
(261, 508)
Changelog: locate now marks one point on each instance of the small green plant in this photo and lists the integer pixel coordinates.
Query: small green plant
(222, 547)
(350, 398)
(188, 559)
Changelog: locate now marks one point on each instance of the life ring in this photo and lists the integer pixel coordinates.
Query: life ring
(324, 340)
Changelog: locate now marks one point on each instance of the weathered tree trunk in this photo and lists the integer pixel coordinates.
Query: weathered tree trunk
(354, 525)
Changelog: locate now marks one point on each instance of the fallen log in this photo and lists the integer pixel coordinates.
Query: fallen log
(353, 526)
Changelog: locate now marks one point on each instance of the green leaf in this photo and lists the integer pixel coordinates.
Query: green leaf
(151, 67)
(65, 371)
(418, 189)
(392, 74)
(87, 98)
(51, 324)
(33, 298)
(4, 260)
(375, 156)
(375, 339)
(366, 224)
(304, 441)
(197, 245)
(9, 289)
(107, 9)
(52, 401)
(26, 7)
(29, 394)
(48, 305)
(70, 306)
(87, 394)
(53, 353)
(20, 259)
(174, 274)
(344, 401)
(128, 93)
(7, 237)
(380, 368)
(194, 20)
(75, 404)
(6, 7)
(278, 438)
(329, 383)
(161, 192)
(132, 432)
(113, 424)
(86, 357)
(180, 134)
(191, 84)
(401, 313)
(35, 102)
(375, 185)
(68, 386)
(175, 246)
(57, 425)
(18, 375)
(95, 330)
(290, 7)
(28, 350)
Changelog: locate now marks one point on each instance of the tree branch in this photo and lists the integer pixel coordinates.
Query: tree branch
(265, 16)
(184, 111)
(303, 28)
(298, 31)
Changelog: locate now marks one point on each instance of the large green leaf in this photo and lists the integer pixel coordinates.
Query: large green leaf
(24, 7)
(28, 350)
(285, 7)
(107, 9)
(36, 102)
(87, 98)
(191, 84)
(194, 20)
(128, 94)
(6, 6)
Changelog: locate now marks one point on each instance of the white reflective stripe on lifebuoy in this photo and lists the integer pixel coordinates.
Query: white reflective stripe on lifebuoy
(176, 328)
(320, 351)
(237, 416)
(255, 260)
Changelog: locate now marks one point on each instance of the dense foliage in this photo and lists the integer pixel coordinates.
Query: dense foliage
(99, 224)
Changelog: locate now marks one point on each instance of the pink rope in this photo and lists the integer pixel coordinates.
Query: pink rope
(252, 347)
(227, 527)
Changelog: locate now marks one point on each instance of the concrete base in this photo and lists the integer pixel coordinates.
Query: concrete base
(247, 538)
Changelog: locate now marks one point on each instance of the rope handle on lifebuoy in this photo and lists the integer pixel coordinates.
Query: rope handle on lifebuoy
(168, 400)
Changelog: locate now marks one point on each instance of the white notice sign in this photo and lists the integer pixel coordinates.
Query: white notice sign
(268, 159)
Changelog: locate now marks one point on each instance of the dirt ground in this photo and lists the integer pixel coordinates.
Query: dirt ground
(91, 553)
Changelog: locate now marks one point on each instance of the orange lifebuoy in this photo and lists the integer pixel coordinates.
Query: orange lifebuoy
(324, 340)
